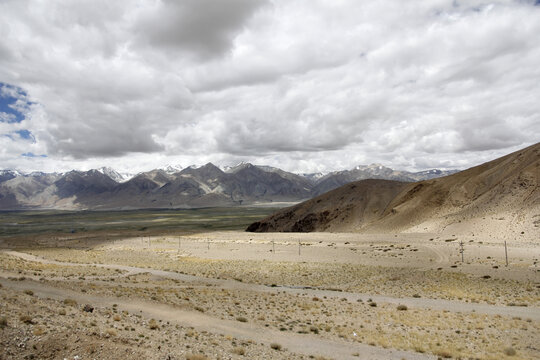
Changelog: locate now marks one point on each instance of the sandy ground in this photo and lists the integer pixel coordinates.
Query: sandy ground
(229, 295)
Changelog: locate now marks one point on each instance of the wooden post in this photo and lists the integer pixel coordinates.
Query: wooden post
(461, 250)
(506, 252)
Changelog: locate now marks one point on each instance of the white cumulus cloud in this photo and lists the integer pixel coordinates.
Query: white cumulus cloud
(309, 85)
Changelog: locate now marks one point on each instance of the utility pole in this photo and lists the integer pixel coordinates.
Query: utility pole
(506, 252)
(461, 249)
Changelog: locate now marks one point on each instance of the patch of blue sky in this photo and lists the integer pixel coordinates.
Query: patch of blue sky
(25, 134)
(32, 155)
(14, 103)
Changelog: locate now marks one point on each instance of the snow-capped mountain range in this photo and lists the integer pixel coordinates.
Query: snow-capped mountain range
(175, 187)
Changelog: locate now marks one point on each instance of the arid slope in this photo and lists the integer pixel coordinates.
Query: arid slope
(499, 198)
(360, 202)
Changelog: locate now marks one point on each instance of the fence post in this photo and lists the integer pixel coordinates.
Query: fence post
(506, 252)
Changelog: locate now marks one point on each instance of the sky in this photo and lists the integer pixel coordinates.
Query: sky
(306, 85)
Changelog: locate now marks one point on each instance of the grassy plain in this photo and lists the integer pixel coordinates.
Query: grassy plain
(153, 220)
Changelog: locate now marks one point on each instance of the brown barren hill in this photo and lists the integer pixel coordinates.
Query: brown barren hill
(500, 198)
(352, 205)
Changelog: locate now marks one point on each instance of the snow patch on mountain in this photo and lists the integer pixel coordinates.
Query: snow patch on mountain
(115, 175)
(172, 169)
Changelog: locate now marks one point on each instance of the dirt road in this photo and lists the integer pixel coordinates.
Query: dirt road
(434, 304)
(297, 343)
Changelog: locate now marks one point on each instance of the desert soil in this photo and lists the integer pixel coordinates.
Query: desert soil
(235, 295)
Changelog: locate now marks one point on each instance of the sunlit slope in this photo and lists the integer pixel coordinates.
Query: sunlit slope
(499, 198)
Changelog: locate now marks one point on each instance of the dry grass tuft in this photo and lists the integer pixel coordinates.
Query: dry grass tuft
(38, 330)
(196, 357)
(239, 351)
(443, 354)
(27, 319)
(70, 302)
(153, 324)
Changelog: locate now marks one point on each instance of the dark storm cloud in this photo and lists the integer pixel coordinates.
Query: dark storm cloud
(204, 28)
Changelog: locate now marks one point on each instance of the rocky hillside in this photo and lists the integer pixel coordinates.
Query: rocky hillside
(501, 196)
(340, 209)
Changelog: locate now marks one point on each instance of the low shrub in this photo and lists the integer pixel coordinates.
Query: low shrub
(70, 302)
(153, 325)
(27, 319)
(196, 357)
(239, 351)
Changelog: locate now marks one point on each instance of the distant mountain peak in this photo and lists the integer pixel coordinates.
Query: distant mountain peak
(372, 166)
(313, 177)
(6, 175)
(115, 175)
(207, 168)
(237, 167)
(172, 169)
(10, 172)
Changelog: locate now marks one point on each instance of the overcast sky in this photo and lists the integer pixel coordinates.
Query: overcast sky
(305, 85)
